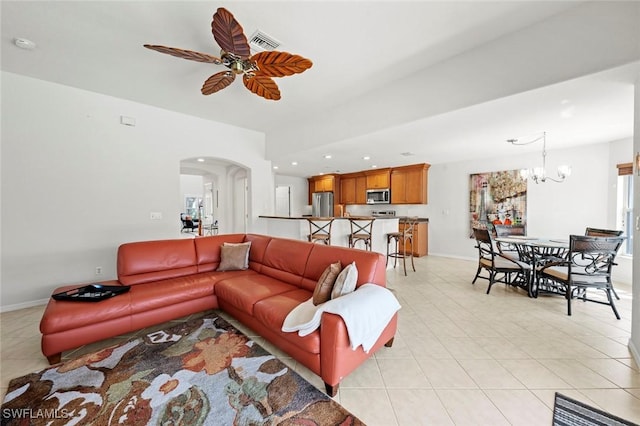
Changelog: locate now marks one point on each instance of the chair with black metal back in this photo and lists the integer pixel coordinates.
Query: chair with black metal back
(508, 249)
(501, 268)
(599, 232)
(188, 223)
(588, 266)
(401, 240)
(361, 228)
(320, 229)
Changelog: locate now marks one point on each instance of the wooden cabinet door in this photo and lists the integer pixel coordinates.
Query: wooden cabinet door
(324, 184)
(398, 187)
(416, 186)
(378, 179)
(348, 190)
(409, 184)
(361, 190)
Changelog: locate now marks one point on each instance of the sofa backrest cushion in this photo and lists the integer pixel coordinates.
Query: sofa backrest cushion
(286, 260)
(208, 250)
(371, 265)
(259, 244)
(146, 261)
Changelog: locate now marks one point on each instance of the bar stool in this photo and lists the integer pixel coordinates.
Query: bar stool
(402, 237)
(361, 231)
(320, 229)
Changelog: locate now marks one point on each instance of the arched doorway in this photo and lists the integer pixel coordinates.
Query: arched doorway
(219, 188)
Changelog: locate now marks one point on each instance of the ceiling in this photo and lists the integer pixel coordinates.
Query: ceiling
(359, 49)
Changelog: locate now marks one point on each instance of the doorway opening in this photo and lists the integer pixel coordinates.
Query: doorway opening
(215, 192)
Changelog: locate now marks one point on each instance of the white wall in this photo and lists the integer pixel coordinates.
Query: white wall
(299, 193)
(76, 183)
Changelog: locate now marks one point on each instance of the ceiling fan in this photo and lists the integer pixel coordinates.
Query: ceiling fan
(257, 70)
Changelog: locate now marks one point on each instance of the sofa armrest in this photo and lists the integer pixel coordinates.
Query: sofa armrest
(337, 359)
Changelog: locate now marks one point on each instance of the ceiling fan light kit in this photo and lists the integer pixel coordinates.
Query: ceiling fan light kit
(257, 71)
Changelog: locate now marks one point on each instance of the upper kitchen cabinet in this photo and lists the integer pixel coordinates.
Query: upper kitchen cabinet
(378, 179)
(353, 187)
(324, 183)
(409, 184)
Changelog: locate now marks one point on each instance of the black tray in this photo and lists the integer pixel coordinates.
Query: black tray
(91, 293)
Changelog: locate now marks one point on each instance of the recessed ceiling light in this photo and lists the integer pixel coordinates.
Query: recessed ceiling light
(24, 43)
(373, 166)
(275, 167)
(200, 160)
(327, 156)
(294, 163)
(366, 157)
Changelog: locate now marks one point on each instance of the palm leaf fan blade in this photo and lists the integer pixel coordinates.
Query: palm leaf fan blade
(185, 54)
(217, 82)
(280, 64)
(262, 86)
(229, 34)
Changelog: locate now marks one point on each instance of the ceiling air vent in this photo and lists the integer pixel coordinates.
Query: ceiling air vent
(407, 154)
(261, 42)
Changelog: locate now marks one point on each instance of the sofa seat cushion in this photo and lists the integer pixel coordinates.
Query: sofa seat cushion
(244, 291)
(273, 310)
(149, 296)
(68, 315)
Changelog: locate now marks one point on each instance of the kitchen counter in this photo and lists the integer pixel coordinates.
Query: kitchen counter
(297, 228)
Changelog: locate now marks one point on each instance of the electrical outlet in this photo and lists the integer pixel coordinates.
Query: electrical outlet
(155, 215)
(98, 270)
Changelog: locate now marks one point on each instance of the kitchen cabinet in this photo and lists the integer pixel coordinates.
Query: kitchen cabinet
(378, 179)
(420, 239)
(353, 187)
(409, 184)
(324, 183)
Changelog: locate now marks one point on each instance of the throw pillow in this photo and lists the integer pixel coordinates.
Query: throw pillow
(346, 281)
(322, 292)
(247, 244)
(234, 257)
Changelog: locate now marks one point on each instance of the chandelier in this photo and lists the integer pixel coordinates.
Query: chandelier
(539, 174)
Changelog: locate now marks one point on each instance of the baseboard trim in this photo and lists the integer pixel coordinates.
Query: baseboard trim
(453, 256)
(17, 306)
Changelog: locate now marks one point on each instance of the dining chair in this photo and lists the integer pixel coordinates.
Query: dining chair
(599, 232)
(188, 223)
(361, 230)
(401, 240)
(588, 266)
(508, 249)
(320, 229)
(501, 268)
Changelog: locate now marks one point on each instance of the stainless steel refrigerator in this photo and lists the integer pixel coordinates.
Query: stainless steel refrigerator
(322, 204)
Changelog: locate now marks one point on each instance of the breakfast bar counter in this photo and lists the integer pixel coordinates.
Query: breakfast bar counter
(297, 228)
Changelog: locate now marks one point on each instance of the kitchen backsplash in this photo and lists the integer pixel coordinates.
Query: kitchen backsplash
(419, 210)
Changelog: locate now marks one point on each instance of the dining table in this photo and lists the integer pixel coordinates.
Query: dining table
(537, 252)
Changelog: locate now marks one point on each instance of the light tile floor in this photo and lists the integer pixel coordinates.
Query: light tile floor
(460, 356)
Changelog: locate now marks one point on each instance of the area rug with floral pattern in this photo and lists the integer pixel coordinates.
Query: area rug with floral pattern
(200, 372)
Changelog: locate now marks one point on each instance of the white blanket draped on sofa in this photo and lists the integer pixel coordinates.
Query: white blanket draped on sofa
(366, 312)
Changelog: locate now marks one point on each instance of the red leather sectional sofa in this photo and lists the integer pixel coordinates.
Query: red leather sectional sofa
(173, 278)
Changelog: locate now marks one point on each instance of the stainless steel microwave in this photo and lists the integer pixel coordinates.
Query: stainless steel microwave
(378, 196)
